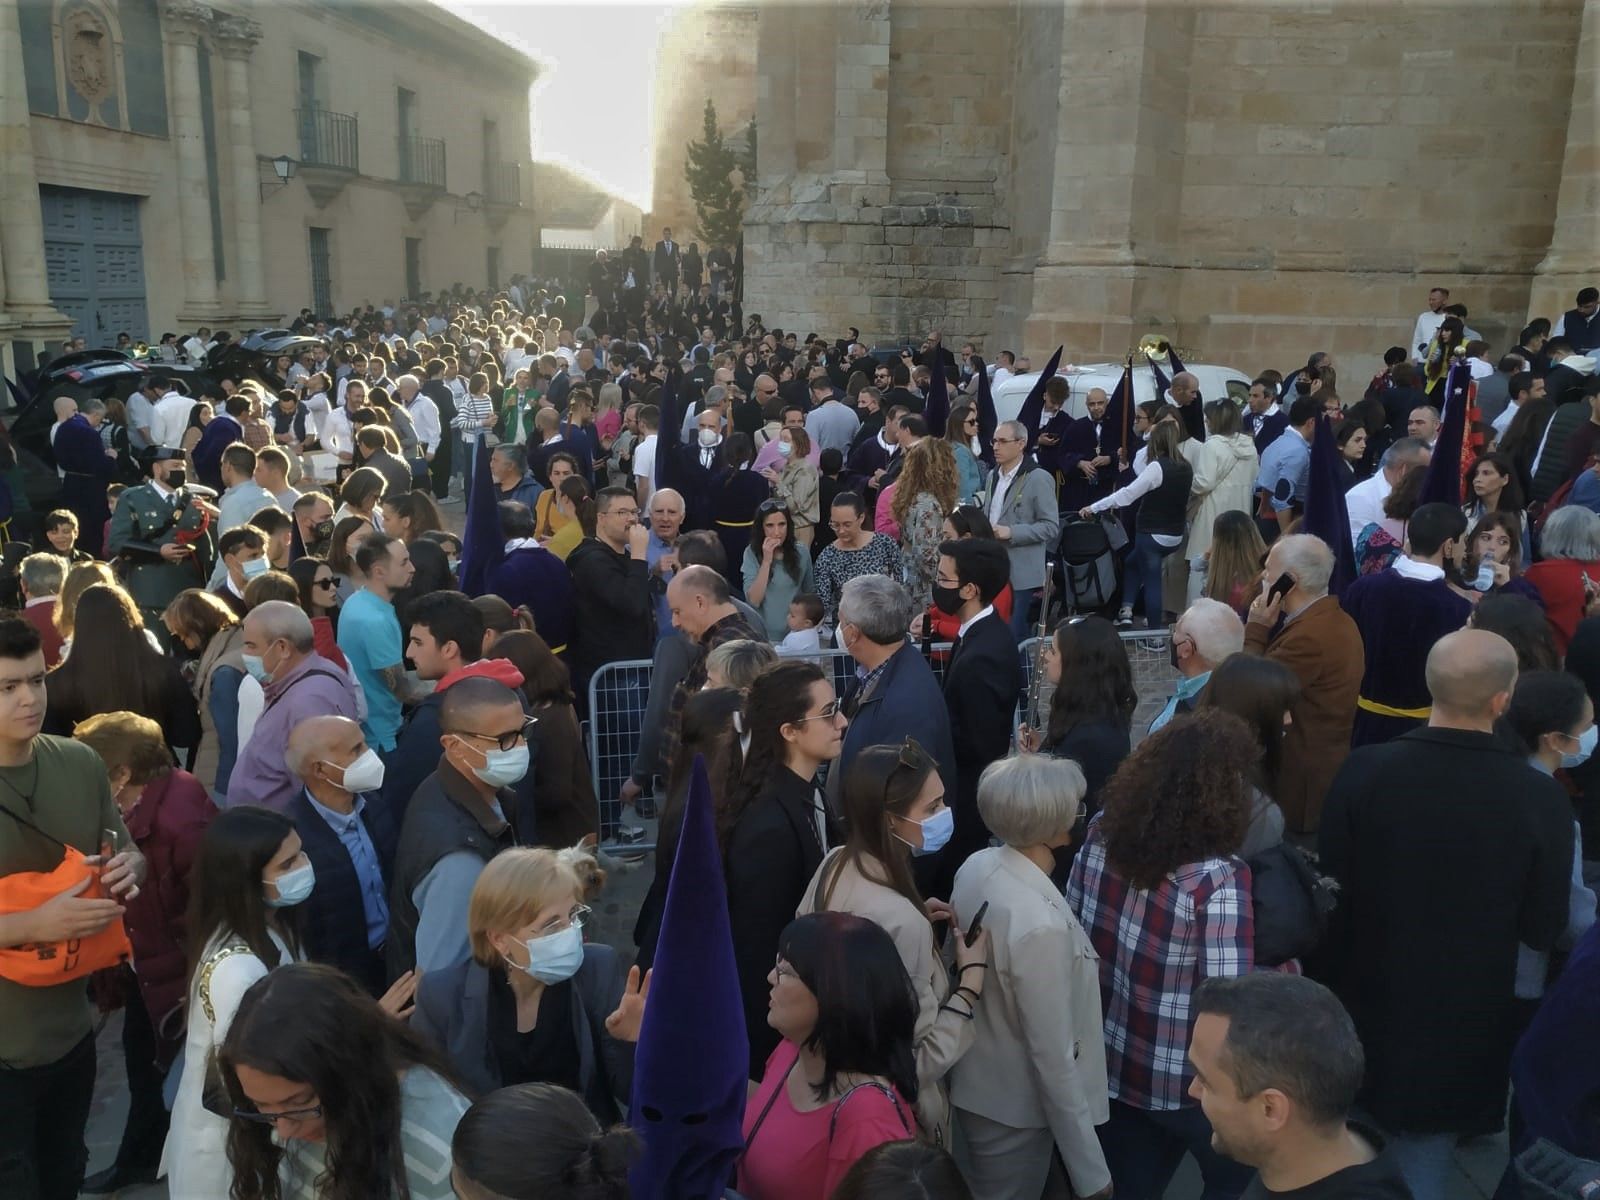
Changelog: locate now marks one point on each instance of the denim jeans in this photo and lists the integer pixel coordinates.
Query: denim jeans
(1144, 1150)
(1145, 560)
(1426, 1160)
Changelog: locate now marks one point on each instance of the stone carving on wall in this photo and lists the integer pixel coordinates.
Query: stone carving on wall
(90, 69)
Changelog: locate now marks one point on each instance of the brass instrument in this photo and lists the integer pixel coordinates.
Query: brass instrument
(1153, 346)
(1041, 634)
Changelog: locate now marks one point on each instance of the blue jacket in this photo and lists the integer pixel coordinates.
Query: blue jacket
(905, 701)
(537, 578)
(526, 491)
(207, 454)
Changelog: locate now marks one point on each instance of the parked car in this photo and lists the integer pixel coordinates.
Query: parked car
(1215, 383)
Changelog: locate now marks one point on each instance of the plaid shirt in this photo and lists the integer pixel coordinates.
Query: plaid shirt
(1155, 946)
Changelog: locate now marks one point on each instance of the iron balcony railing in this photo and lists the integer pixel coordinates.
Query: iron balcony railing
(328, 139)
(501, 183)
(422, 161)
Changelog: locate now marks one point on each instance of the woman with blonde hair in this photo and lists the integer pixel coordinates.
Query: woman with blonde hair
(536, 1003)
(79, 579)
(928, 489)
(1233, 561)
(1225, 467)
(202, 624)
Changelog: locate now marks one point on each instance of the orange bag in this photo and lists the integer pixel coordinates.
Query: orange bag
(45, 964)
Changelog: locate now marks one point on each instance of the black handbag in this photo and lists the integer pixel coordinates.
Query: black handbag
(1291, 903)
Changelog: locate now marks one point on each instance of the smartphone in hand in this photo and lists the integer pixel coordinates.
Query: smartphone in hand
(976, 927)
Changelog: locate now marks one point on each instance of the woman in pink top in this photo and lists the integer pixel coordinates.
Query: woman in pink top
(844, 1078)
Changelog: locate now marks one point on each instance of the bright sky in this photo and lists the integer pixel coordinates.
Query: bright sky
(594, 101)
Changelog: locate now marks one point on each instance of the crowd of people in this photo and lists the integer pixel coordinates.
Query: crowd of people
(294, 771)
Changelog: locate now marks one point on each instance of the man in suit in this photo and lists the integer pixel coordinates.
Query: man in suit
(1265, 418)
(1581, 325)
(1307, 631)
(1021, 506)
(1088, 454)
(896, 695)
(982, 684)
(666, 262)
(1441, 917)
(349, 835)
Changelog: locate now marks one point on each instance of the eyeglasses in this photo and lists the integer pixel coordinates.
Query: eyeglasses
(506, 741)
(293, 1114)
(999, 441)
(783, 970)
(323, 583)
(970, 421)
(630, 513)
(829, 711)
(578, 915)
(772, 506)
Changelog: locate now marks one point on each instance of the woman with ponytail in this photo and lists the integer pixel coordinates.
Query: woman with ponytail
(775, 832)
(575, 501)
(539, 1142)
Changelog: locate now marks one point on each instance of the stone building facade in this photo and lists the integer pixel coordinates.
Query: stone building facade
(1254, 181)
(706, 50)
(137, 189)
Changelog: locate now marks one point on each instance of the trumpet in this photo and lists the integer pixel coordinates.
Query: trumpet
(1031, 714)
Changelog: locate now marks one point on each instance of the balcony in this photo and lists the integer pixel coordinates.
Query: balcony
(328, 139)
(422, 162)
(502, 185)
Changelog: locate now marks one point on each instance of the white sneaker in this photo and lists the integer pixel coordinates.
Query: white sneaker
(1125, 617)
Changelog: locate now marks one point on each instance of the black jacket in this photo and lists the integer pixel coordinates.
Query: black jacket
(773, 851)
(1450, 850)
(613, 612)
(982, 685)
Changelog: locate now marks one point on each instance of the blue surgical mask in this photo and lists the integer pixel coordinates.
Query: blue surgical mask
(254, 567)
(785, 448)
(256, 667)
(502, 768)
(293, 886)
(454, 564)
(936, 831)
(1586, 745)
(556, 957)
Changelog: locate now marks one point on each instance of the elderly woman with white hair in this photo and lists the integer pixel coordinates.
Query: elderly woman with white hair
(1034, 1079)
(1569, 564)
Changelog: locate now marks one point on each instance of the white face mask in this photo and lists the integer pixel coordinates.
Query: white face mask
(556, 956)
(293, 886)
(709, 437)
(365, 774)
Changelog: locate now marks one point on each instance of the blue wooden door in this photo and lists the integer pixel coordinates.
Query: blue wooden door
(94, 263)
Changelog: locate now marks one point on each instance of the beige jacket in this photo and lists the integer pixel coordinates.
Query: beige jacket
(1039, 1059)
(942, 1037)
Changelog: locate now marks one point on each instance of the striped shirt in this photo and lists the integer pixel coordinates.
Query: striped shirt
(430, 1109)
(470, 414)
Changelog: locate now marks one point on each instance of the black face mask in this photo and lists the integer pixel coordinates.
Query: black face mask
(322, 530)
(176, 478)
(947, 599)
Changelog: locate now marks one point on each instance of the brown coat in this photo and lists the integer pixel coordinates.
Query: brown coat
(1323, 648)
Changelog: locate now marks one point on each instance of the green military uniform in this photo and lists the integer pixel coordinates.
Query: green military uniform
(148, 517)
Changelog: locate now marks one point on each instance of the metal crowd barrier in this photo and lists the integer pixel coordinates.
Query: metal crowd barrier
(619, 691)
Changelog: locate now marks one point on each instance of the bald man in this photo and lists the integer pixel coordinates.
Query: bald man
(456, 822)
(666, 513)
(349, 834)
(702, 609)
(1451, 851)
(1088, 455)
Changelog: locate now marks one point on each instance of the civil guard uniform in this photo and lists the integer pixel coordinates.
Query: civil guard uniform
(153, 515)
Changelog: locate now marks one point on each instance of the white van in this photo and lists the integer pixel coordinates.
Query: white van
(1215, 382)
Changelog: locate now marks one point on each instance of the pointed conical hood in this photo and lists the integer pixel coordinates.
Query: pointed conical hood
(691, 1064)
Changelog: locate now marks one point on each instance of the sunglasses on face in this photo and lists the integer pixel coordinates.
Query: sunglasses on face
(323, 583)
